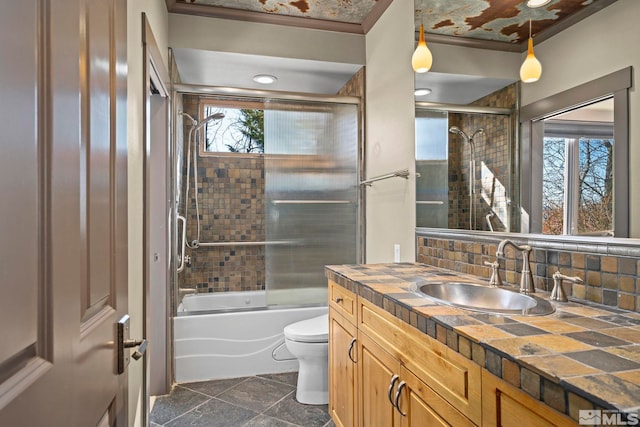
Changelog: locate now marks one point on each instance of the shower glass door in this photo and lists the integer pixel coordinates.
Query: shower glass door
(432, 165)
(311, 197)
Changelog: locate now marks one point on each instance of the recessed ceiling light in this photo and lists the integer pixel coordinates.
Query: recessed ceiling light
(264, 79)
(422, 91)
(537, 3)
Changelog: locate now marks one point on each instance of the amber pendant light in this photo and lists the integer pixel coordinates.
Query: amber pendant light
(531, 69)
(422, 59)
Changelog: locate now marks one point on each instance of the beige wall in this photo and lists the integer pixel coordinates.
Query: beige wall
(474, 62)
(157, 15)
(601, 44)
(221, 35)
(390, 133)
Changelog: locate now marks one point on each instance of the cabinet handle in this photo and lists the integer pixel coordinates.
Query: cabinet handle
(338, 300)
(353, 341)
(396, 402)
(394, 378)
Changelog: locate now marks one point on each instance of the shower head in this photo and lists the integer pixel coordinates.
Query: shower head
(216, 116)
(478, 131)
(457, 131)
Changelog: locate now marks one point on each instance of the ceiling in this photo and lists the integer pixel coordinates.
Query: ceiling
(500, 24)
(201, 67)
(494, 24)
(349, 16)
(489, 24)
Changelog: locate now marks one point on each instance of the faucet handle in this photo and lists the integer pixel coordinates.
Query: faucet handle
(495, 279)
(558, 293)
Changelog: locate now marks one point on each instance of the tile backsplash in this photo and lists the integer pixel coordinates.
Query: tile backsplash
(609, 279)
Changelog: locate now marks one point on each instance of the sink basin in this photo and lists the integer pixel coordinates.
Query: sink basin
(486, 299)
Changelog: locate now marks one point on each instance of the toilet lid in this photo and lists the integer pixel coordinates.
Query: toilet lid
(311, 330)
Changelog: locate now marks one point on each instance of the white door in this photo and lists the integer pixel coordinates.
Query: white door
(63, 228)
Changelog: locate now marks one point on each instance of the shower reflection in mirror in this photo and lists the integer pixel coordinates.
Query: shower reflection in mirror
(463, 161)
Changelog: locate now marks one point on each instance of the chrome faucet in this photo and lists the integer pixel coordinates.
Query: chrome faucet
(495, 279)
(526, 278)
(558, 294)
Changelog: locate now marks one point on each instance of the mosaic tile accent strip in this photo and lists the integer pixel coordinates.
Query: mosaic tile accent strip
(555, 358)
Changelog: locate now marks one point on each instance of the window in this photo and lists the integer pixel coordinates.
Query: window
(241, 130)
(577, 181)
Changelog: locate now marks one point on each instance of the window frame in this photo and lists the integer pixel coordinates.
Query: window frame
(614, 85)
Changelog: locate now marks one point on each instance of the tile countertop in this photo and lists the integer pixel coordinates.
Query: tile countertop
(580, 357)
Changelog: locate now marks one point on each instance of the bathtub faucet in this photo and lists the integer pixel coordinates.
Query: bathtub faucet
(526, 278)
(185, 291)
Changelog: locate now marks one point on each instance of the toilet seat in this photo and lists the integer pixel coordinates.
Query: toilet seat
(314, 330)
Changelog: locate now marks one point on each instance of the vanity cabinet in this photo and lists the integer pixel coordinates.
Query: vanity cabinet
(430, 370)
(385, 373)
(376, 362)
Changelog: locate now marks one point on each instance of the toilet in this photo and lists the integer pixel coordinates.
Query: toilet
(308, 341)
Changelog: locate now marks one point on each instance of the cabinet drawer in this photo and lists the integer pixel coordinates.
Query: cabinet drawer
(342, 300)
(451, 375)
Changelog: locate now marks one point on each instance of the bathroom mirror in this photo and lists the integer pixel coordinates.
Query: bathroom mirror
(582, 133)
(559, 166)
(465, 161)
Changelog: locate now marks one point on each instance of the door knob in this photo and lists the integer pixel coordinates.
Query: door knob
(124, 342)
(142, 347)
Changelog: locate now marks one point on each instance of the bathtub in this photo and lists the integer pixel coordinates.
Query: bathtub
(233, 334)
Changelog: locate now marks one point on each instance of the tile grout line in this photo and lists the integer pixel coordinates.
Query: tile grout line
(274, 404)
(184, 413)
(223, 391)
(278, 401)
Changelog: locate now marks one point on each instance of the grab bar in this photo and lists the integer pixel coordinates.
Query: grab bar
(311, 202)
(241, 243)
(404, 173)
(429, 202)
(184, 241)
(488, 218)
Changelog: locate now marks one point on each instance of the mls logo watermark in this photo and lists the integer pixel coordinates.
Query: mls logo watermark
(597, 417)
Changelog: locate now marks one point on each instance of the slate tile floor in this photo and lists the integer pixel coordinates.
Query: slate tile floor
(259, 401)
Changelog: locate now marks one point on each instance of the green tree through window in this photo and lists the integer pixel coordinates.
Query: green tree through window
(240, 131)
(250, 137)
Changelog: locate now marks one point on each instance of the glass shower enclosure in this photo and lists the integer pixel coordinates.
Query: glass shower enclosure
(311, 197)
(272, 216)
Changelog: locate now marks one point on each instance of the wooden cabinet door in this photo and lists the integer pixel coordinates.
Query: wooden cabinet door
(424, 407)
(376, 369)
(506, 406)
(342, 371)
